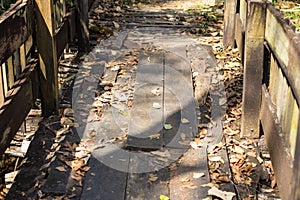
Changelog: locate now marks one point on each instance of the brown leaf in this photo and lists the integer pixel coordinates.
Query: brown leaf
(221, 194)
(61, 169)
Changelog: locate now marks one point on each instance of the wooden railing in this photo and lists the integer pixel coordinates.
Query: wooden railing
(33, 35)
(270, 51)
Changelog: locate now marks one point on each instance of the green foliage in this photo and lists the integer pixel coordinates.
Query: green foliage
(5, 4)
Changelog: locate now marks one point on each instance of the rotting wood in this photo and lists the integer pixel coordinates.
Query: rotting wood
(280, 154)
(48, 63)
(253, 68)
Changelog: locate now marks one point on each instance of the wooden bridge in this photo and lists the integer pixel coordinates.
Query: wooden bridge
(141, 147)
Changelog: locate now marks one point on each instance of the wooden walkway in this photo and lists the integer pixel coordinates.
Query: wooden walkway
(156, 157)
(150, 147)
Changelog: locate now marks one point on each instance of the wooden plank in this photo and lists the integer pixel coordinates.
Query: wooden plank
(294, 134)
(11, 37)
(147, 110)
(28, 45)
(253, 69)
(229, 22)
(192, 163)
(281, 96)
(274, 76)
(288, 117)
(4, 79)
(280, 35)
(243, 10)
(103, 182)
(22, 57)
(296, 175)
(279, 151)
(10, 72)
(2, 95)
(17, 64)
(147, 185)
(240, 35)
(46, 46)
(16, 107)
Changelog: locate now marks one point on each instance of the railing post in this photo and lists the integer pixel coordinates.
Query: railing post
(253, 67)
(46, 46)
(229, 22)
(82, 25)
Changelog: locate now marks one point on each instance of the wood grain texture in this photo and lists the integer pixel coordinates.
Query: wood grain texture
(279, 36)
(46, 46)
(278, 148)
(253, 69)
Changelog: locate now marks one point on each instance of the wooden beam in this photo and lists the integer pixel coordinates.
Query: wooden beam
(278, 148)
(229, 22)
(16, 107)
(46, 45)
(253, 68)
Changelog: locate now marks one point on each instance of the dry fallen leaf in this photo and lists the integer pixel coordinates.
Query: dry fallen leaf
(197, 175)
(152, 177)
(61, 169)
(221, 194)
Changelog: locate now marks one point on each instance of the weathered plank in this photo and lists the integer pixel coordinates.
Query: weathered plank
(10, 117)
(253, 69)
(2, 94)
(296, 174)
(103, 182)
(46, 46)
(147, 185)
(281, 36)
(243, 11)
(147, 110)
(229, 22)
(279, 151)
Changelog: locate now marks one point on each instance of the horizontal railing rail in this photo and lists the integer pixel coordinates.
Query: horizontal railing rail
(33, 36)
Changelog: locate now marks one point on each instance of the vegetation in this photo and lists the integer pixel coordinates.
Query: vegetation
(5, 4)
(291, 10)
